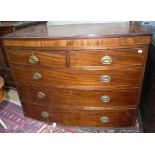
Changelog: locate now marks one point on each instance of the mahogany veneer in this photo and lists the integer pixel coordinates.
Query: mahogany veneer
(81, 117)
(85, 75)
(91, 97)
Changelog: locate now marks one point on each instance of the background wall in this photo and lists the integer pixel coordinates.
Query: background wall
(77, 22)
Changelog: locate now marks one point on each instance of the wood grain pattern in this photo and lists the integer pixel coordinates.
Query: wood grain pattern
(53, 96)
(69, 77)
(79, 43)
(78, 31)
(35, 43)
(45, 58)
(83, 36)
(71, 69)
(108, 42)
(119, 57)
(123, 118)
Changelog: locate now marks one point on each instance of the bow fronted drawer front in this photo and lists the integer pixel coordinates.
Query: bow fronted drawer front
(73, 116)
(37, 57)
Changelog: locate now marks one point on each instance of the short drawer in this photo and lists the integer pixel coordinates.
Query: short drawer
(103, 118)
(58, 96)
(69, 77)
(37, 57)
(108, 57)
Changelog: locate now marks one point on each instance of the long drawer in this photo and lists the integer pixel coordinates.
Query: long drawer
(56, 96)
(69, 77)
(108, 57)
(103, 118)
(37, 57)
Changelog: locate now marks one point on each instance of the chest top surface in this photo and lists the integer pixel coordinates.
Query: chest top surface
(17, 23)
(70, 31)
(7, 27)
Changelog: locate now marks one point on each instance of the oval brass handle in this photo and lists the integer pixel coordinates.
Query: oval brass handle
(37, 76)
(105, 78)
(45, 114)
(140, 51)
(41, 95)
(105, 98)
(106, 60)
(33, 59)
(104, 119)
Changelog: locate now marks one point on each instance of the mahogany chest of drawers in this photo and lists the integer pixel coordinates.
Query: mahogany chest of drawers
(82, 75)
(7, 27)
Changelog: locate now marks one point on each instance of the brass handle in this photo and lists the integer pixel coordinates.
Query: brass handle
(104, 119)
(33, 59)
(41, 95)
(105, 98)
(105, 78)
(45, 114)
(37, 76)
(106, 60)
(140, 51)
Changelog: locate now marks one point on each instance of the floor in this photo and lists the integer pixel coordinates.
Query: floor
(11, 95)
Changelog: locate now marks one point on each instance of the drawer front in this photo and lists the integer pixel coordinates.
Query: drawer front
(108, 42)
(56, 96)
(32, 57)
(115, 57)
(105, 118)
(68, 77)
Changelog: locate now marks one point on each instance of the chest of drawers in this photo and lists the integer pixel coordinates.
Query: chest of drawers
(83, 75)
